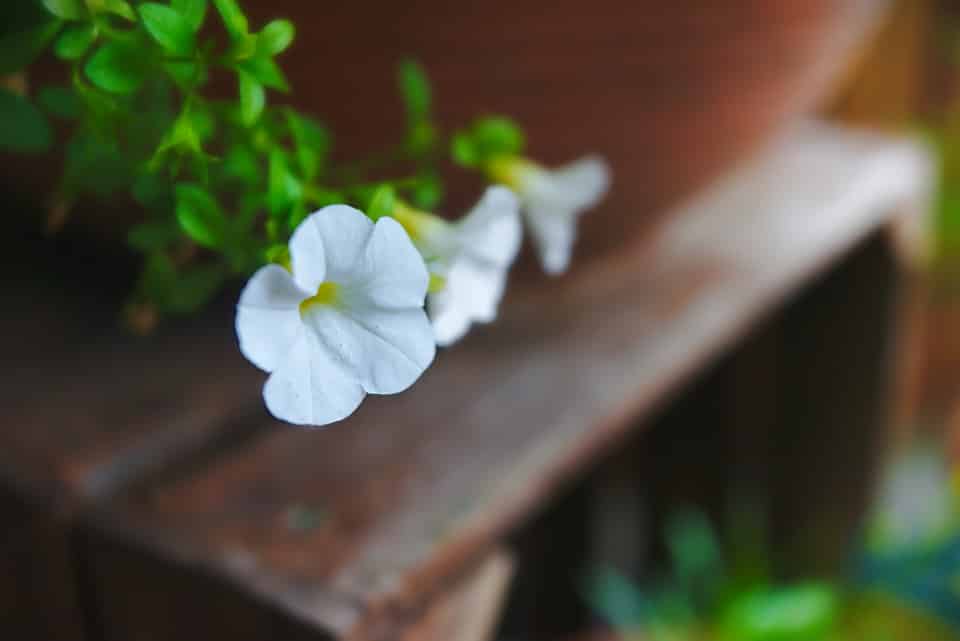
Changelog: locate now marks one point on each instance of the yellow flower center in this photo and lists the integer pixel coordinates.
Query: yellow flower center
(437, 283)
(509, 171)
(412, 220)
(328, 294)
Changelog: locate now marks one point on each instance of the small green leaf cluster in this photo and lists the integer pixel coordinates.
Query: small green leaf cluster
(222, 183)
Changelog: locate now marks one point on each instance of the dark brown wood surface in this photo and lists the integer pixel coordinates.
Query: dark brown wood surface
(89, 409)
(412, 488)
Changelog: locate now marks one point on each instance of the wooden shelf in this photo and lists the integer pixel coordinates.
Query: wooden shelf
(352, 530)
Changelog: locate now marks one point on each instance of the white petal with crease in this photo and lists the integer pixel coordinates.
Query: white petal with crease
(268, 316)
(311, 389)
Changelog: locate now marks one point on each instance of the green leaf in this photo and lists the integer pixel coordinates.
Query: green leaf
(19, 48)
(60, 102)
(154, 192)
(498, 136)
(266, 72)
(96, 165)
(121, 8)
(486, 139)
(203, 121)
(798, 613)
(311, 142)
(428, 192)
(100, 103)
(243, 47)
(275, 38)
(186, 73)
(67, 9)
(153, 236)
(179, 293)
(283, 188)
(194, 288)
(463, 151)
(421, 137)
(415, 89)
(117, 68)
(240, 163)
(74, 41)
(157, 278)
(199, 215)
(278, 253)
(233, 18)
(382, 203)
(23, 128)
(193, 11)
(169, 28)
(252, 98)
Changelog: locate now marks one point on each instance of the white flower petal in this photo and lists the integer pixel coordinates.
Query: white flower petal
(472, 295)
(491, 230)
(582, 183)
(268, 316)
(450, 321)
(386, 350)
(309, 388)
(553, 202)
(393, 274)
(308, 258)
(554, 232)
(345, 233)
(487, 241)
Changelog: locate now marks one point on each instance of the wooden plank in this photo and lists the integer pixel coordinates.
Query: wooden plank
(469, 610)
(415, 487)
(89, 409)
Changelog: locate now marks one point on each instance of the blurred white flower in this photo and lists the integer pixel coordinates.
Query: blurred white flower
(553, 200)
(346, 322)
(468, 259)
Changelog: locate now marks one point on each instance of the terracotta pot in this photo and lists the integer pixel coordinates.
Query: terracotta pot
(671, 93)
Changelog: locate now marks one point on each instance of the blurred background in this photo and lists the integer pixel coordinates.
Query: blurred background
(675, 95)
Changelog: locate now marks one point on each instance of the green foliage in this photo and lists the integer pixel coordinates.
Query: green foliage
(120, 8)
(805, 612)
(223, 182)
(117, 67)
(200, 216)
(171, 29)
(193, 11)
(67, 9)
(275, 38)
(23, 128)
(415, 89)
(253, 98)
(233, 18)
(383, 202)
(60, 102)
(75, 40)
(486, 139)
(26, 28)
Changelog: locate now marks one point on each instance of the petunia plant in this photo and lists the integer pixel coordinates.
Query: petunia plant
(342, 257)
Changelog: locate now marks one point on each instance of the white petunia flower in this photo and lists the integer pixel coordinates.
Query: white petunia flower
(469, 260)
(346, 322)
(553, 200)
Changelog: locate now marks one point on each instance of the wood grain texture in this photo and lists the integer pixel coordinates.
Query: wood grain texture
(468, 611)
(413, 488)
